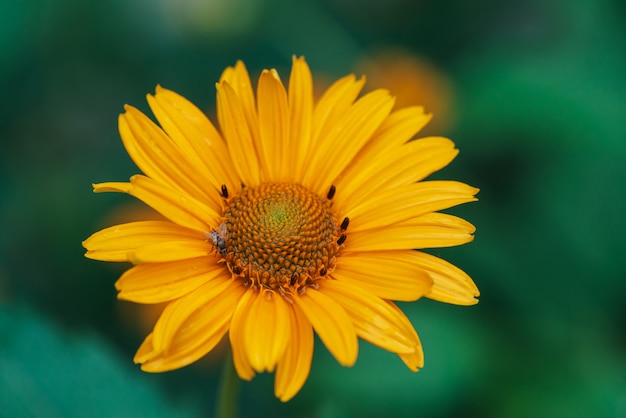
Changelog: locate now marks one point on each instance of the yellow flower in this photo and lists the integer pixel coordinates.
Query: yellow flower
(294, 217)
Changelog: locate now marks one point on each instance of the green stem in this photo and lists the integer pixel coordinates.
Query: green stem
(227, 391)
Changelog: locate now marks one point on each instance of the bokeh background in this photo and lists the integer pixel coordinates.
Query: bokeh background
(533, 94)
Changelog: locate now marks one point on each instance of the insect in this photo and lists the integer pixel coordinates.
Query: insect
(218, 239)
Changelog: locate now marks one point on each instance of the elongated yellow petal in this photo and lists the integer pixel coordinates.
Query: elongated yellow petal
(347, 137)
(293, 369)
(372, 317)
(112, 187)
(149, 145)
(300, 116)
(267, 330)
(408, 201)
(197, 329)
(409, 171)
(397, 129)
(120, 242)
(239, 138)
(433, 230)
(170, 251)
(403, 165)
(146, 152)
(333, 105)
(176, 206)
(387, 274)
(196, 138)
(332, 324)
(450, 283)
(239, 79)
(193, 308)
(145, 351)
(415, 360)
(179, 356)
(237, 335)
(162, 282)
(274, 140)
(181, 208)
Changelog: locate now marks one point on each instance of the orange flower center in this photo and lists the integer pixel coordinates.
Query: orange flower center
(278, 235)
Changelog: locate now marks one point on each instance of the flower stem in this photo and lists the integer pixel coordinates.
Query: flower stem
(227, 390)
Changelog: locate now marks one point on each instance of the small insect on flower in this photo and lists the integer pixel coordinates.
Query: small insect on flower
(218, 239)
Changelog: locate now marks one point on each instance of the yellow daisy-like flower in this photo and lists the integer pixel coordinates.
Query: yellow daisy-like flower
(296, 216)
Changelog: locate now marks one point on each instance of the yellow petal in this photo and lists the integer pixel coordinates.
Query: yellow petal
(333, 104)
(414, 360)
(332, 324)
(266, 330)
(112, 187)
(293, 369)
(170, 251)
(387, 274)
(338, 147)
(196, 138)
(240, 318)
(191, 310)
(162, 282)
(301, 115)
(397, 166)
(238, 135)
(145, 351)
(156, 155)
(192, 326)
(178, 357)
(450, 283)
(176, 206)
(120, 242)
(238, 78)
(433, 230)
(372, 316)
(273, 114)
(408, 171)
(408, 201)
(396, 130)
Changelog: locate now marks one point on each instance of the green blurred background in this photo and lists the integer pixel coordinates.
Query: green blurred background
(533, 94)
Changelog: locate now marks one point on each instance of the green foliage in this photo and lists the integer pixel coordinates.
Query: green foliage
(46, 372)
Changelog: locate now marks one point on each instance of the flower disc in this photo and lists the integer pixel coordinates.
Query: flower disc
(279, 235)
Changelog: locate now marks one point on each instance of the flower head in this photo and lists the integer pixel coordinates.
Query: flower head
(295, 216)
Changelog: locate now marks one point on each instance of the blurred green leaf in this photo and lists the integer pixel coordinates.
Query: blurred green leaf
(45, 372)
